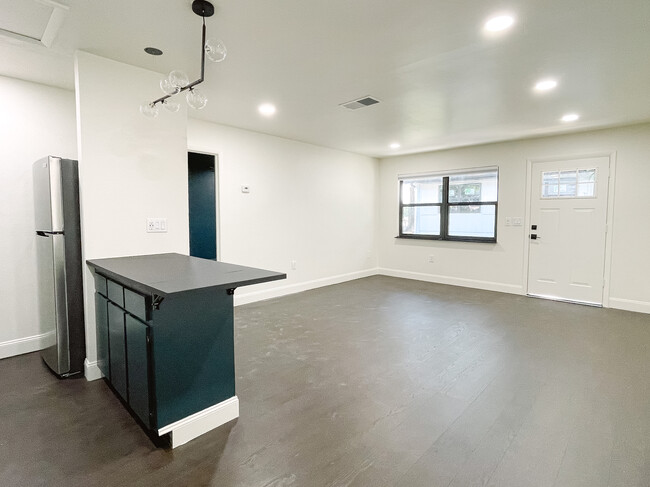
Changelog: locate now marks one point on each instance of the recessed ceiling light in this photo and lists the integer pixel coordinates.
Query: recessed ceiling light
(395, 145)
(545, 84)
(499, 23)
(267, 109)
(570, 117)
(154, 51)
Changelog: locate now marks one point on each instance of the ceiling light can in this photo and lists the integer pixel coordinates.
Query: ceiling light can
(267, 109)
(499, 23)
(545, 84)
(570, 117)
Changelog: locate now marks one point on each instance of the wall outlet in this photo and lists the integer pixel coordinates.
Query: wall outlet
(508, 221)
(517, 221)
(245, 188)
(430, 259)
(156, 225)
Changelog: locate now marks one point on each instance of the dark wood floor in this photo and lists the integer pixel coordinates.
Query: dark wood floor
(375, 382)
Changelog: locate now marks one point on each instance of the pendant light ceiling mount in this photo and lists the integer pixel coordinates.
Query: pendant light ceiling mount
(203, 8)
(177, 81)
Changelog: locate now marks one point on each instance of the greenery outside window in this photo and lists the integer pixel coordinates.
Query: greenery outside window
(458, 206)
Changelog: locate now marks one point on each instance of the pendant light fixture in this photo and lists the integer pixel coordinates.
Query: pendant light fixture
(177, 81)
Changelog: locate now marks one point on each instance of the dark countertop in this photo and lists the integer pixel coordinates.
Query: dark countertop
(167, 274)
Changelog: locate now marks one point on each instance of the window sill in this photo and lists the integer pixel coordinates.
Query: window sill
(448, 239)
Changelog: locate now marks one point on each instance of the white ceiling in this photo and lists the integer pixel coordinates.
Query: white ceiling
(442, 82)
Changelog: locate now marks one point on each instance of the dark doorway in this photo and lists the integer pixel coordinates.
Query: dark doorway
(202, 205)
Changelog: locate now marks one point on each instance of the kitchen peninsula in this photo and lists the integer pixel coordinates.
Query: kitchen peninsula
(165, 340)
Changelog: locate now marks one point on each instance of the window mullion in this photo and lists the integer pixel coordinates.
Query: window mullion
(444, 209)
(401, 208)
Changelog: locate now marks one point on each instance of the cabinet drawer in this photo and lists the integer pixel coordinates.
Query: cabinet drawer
(115, 293)
(136, 304)
(100, 285)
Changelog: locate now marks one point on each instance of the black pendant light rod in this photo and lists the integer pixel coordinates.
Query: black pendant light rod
(204, 9)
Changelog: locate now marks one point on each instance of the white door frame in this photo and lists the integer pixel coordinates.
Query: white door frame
(217, 188)
(610, 213)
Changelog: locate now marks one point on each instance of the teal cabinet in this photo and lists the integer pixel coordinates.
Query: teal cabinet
(193, 353)
(123, 345)
(169, 360)
(101, 313)
(168, 329)
(137, 359)
(117, 349)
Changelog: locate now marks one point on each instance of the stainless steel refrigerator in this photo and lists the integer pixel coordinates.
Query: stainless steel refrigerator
(58, 249)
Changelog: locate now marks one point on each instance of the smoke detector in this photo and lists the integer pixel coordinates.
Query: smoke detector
(366, 101)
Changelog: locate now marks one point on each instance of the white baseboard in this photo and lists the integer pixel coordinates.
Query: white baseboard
(276, 292)
(20, 346)
(199, 423)
(251, 297)
(630, 305)
(454, 281)
(91, 370)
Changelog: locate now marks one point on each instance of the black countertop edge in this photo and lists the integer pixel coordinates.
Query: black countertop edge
(144, 288)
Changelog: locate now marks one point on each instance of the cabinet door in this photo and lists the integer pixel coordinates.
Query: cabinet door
(101, 318)
(138, 367)
(117, 349)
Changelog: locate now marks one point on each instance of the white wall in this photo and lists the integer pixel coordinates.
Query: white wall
(310, 204)
(130, 168)
(501, 266)
(333, 212)
(35, 121)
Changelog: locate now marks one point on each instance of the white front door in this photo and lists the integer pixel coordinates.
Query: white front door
(568, 225)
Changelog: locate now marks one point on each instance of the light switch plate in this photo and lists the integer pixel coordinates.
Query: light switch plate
(156, 225)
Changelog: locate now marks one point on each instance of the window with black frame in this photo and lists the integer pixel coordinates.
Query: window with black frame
(459, 206)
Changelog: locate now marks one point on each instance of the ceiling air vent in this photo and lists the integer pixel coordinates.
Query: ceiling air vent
(366, 101)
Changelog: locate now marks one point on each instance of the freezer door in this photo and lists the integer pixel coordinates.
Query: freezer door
(50, 250)
(48, 198)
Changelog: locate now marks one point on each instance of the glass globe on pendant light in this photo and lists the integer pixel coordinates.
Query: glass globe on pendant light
(168, 88)
(215, 50)
(196, 99)
(149, 110)
(171, 106)
(178, 79)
